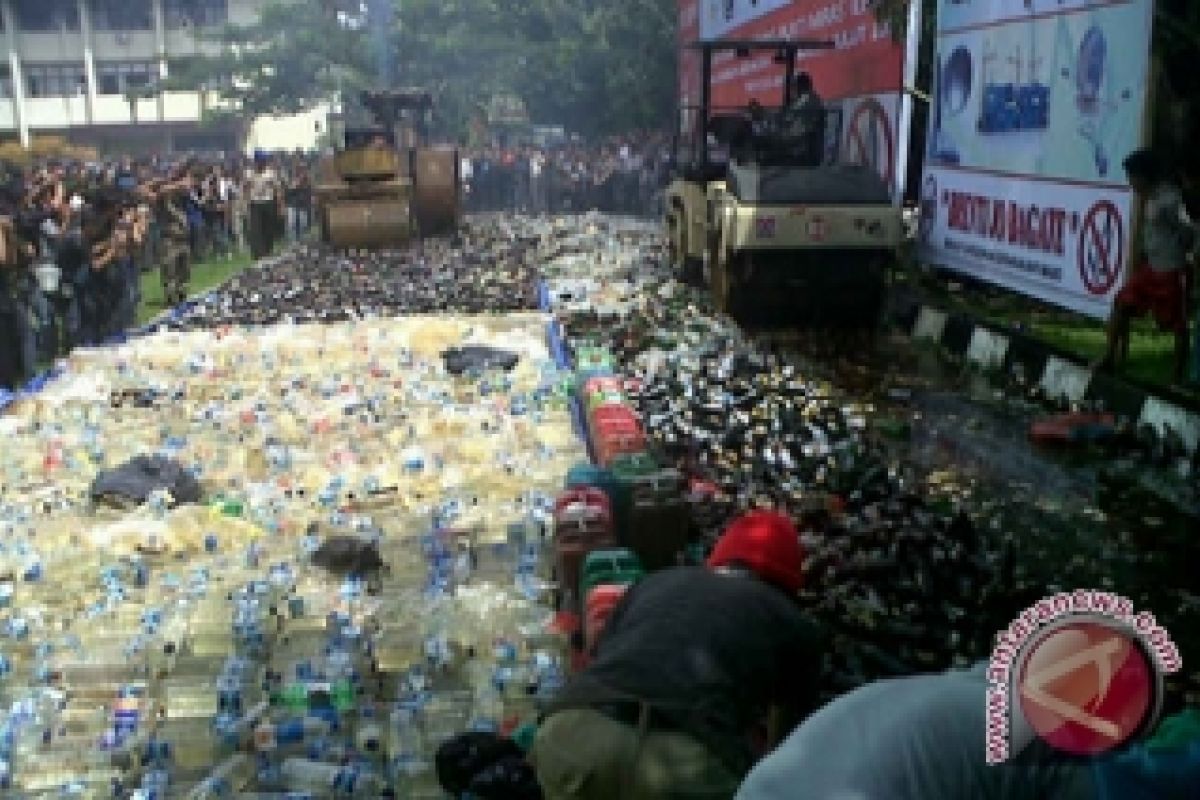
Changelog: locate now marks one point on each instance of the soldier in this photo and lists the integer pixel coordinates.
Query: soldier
(175, 266)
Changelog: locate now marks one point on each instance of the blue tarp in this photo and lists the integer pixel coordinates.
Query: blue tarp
(562, 357)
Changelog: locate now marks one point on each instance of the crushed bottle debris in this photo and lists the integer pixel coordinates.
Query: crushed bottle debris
(371, 569)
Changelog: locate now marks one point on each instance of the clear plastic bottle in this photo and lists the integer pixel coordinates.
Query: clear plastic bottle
(228, 778)
(303, 775)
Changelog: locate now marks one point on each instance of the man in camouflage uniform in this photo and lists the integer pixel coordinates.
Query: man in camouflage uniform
(175, 266)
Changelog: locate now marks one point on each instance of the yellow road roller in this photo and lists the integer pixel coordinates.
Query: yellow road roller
(385, 187)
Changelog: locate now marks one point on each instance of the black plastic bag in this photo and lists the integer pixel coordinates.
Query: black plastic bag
(478, 358)
(135, 480)
(461, 759)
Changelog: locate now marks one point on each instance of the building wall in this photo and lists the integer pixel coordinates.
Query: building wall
(73, 79)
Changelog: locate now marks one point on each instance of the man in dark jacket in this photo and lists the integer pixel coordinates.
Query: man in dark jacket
(691, 664)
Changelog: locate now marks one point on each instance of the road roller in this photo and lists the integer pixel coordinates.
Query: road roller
(386, 186)
(766, 214)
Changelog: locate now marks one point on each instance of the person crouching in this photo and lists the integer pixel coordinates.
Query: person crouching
(691, 663)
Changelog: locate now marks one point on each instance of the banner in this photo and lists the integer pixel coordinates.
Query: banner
(862, 75)
(1035, 106)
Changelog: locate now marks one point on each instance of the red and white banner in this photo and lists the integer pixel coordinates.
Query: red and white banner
(863, 75)
(1066, 243)
(866, 59)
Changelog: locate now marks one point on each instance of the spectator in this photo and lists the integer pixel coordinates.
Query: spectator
(263, 192)
(1158, 283)
(297, 198)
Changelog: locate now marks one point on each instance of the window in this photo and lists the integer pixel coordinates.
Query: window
(6, 84)
(195, 13)
(119, 77)
(122, 15)
(55, 80)
(46, 15)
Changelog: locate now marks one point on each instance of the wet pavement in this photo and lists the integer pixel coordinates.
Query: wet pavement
(1082, 517)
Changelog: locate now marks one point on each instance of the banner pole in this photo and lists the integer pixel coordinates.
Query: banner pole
(912, 43)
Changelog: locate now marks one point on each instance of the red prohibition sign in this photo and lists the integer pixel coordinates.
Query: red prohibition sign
(869, 121)
(1101, 247)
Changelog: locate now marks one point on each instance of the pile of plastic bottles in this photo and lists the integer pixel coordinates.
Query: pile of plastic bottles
(197, 650)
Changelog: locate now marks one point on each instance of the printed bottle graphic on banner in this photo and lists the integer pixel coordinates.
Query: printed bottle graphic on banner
(1036, 104)
(1057, 94)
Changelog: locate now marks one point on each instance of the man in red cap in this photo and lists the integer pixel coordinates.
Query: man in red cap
(691, 662)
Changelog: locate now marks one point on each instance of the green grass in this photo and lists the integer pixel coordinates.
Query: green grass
(1151, 352)
(205, 275)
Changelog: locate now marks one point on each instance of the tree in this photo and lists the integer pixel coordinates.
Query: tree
(595, 67)
(296, 55)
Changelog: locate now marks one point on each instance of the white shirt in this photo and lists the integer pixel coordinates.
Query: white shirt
(1165, 228)
(261, 186)
(467, 169)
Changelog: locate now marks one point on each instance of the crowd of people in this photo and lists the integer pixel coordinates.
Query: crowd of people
(75, 239)
(618, 176)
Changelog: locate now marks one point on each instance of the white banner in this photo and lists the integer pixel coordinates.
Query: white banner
(1035, 106)
(1066, 244)
(719, 17)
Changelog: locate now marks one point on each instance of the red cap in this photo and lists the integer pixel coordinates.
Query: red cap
(767, 543)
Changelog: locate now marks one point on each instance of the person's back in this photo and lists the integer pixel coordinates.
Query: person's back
(693, 667)
(914, 738)
(710, 652)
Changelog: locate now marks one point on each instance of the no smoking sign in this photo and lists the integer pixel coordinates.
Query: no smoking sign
(1101, 250)
(870, 141)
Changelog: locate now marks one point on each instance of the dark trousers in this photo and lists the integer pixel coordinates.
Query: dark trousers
(264, 227)
(14, 318)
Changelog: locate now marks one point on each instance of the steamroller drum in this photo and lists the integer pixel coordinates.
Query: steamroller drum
(369, 223)
(809, 289)
(436, 193)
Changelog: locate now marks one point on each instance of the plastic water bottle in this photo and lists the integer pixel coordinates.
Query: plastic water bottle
(304, 775)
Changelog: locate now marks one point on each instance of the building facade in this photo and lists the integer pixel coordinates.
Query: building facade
(89, 71)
